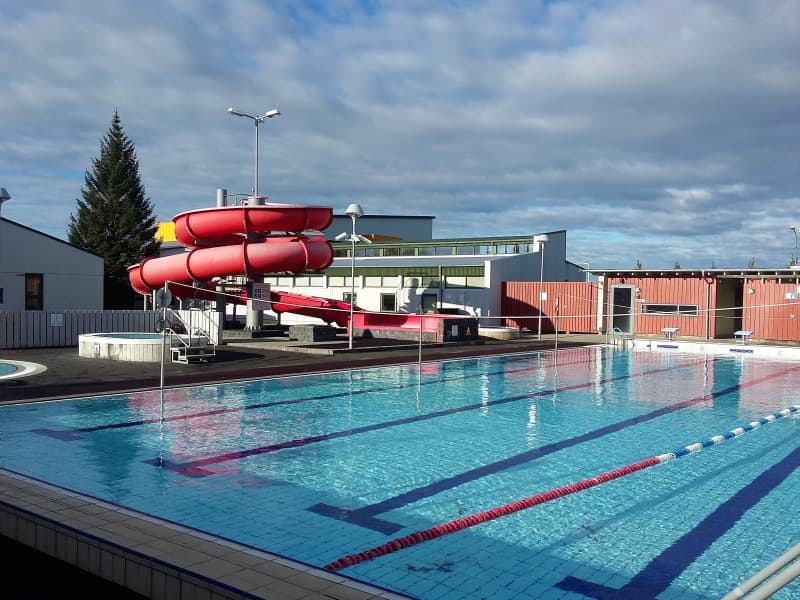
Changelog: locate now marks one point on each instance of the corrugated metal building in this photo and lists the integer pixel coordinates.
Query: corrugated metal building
(696, 303)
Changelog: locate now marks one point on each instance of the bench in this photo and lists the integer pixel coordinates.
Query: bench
(742, 335)
(670, 331)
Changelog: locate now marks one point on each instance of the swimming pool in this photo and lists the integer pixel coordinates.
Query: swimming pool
(324, 468)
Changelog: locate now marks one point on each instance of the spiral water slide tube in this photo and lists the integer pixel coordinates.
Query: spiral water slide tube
(248, 241)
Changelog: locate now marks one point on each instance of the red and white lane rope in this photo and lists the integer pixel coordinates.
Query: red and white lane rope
(507, 509)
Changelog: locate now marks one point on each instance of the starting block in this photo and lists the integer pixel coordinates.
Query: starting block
(670, 331)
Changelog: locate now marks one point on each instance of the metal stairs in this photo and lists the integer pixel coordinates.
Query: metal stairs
(193, 353)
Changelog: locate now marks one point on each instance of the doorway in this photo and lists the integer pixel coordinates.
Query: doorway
(622, 308)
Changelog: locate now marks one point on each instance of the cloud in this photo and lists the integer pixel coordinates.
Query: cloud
(648, 130)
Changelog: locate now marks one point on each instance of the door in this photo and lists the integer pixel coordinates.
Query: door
(622, 308)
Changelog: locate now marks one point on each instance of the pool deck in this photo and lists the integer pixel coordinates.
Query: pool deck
(141, 557)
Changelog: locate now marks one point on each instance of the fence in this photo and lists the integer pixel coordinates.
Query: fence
(45, 329)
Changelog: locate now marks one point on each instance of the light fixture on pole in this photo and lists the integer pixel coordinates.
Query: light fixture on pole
(354, 211)
(254, 316)
(794, 257)
(257, 120)
(541, 240)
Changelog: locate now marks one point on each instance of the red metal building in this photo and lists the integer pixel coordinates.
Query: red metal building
(698, 303)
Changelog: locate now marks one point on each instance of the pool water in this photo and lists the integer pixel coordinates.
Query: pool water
(320, 468)
(7, 368)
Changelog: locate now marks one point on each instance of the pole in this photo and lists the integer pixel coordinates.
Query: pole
(255, 185)
(419, 353)
(541, 283)
(352, 278)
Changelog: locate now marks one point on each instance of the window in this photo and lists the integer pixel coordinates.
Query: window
(388, 303)
(429, 302)
(34, 298)
(685, 310)
(350, 299)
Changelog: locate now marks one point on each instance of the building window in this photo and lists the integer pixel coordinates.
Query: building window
(684, 310)
(350, 298)
(429, 302)
(34, 292)
(388, 303)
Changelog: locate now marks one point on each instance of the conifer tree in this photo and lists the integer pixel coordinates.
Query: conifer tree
(114, 218)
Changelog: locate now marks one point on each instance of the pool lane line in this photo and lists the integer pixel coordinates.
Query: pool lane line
(660, 572)
(494, 513)
(197, 468)
(366, 515)
(74, 433)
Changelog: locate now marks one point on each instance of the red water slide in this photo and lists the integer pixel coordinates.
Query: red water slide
(240, 241)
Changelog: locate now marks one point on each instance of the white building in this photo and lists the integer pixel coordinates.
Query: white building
(462, 276)
(41, 272)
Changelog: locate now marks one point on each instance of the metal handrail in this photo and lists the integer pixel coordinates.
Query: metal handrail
(770, 578)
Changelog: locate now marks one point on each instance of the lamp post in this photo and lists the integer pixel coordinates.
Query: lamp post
(354, 211)
(257, 120)
(794, 257)
(541, 240)
(254, 317)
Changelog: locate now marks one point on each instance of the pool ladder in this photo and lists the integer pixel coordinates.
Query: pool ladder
(772, 578)
(618, 338)
(196, 348)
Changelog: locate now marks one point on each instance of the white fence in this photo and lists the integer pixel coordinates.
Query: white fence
(45, 329)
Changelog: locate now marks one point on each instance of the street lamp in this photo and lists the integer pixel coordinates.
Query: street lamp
(794, 258)
(257, 120)
(541, 240)
(254, 317)
(354, 211)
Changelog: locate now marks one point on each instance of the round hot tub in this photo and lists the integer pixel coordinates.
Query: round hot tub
(13, 369)
(499, 333)
(125, 346)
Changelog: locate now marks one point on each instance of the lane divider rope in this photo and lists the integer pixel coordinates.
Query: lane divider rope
(512, 507)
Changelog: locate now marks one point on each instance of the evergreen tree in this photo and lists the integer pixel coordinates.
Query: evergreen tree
(114, 219)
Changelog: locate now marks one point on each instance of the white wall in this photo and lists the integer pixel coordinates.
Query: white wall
(73, 279)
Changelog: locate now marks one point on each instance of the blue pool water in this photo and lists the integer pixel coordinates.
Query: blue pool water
(7, 368)
(317, 468)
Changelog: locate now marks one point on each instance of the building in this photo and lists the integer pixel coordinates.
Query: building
(702, 303)
(41, 272)
(456, 276)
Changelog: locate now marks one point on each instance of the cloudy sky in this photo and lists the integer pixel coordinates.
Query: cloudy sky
(660, 131)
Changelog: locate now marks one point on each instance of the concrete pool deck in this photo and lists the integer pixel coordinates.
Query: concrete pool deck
(148, 558)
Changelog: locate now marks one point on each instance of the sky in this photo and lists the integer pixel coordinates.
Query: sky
(660, 132)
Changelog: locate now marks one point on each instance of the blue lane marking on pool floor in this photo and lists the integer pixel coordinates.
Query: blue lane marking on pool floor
(659, 574)
(74, 433)
(365, 516)
(196, 468)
